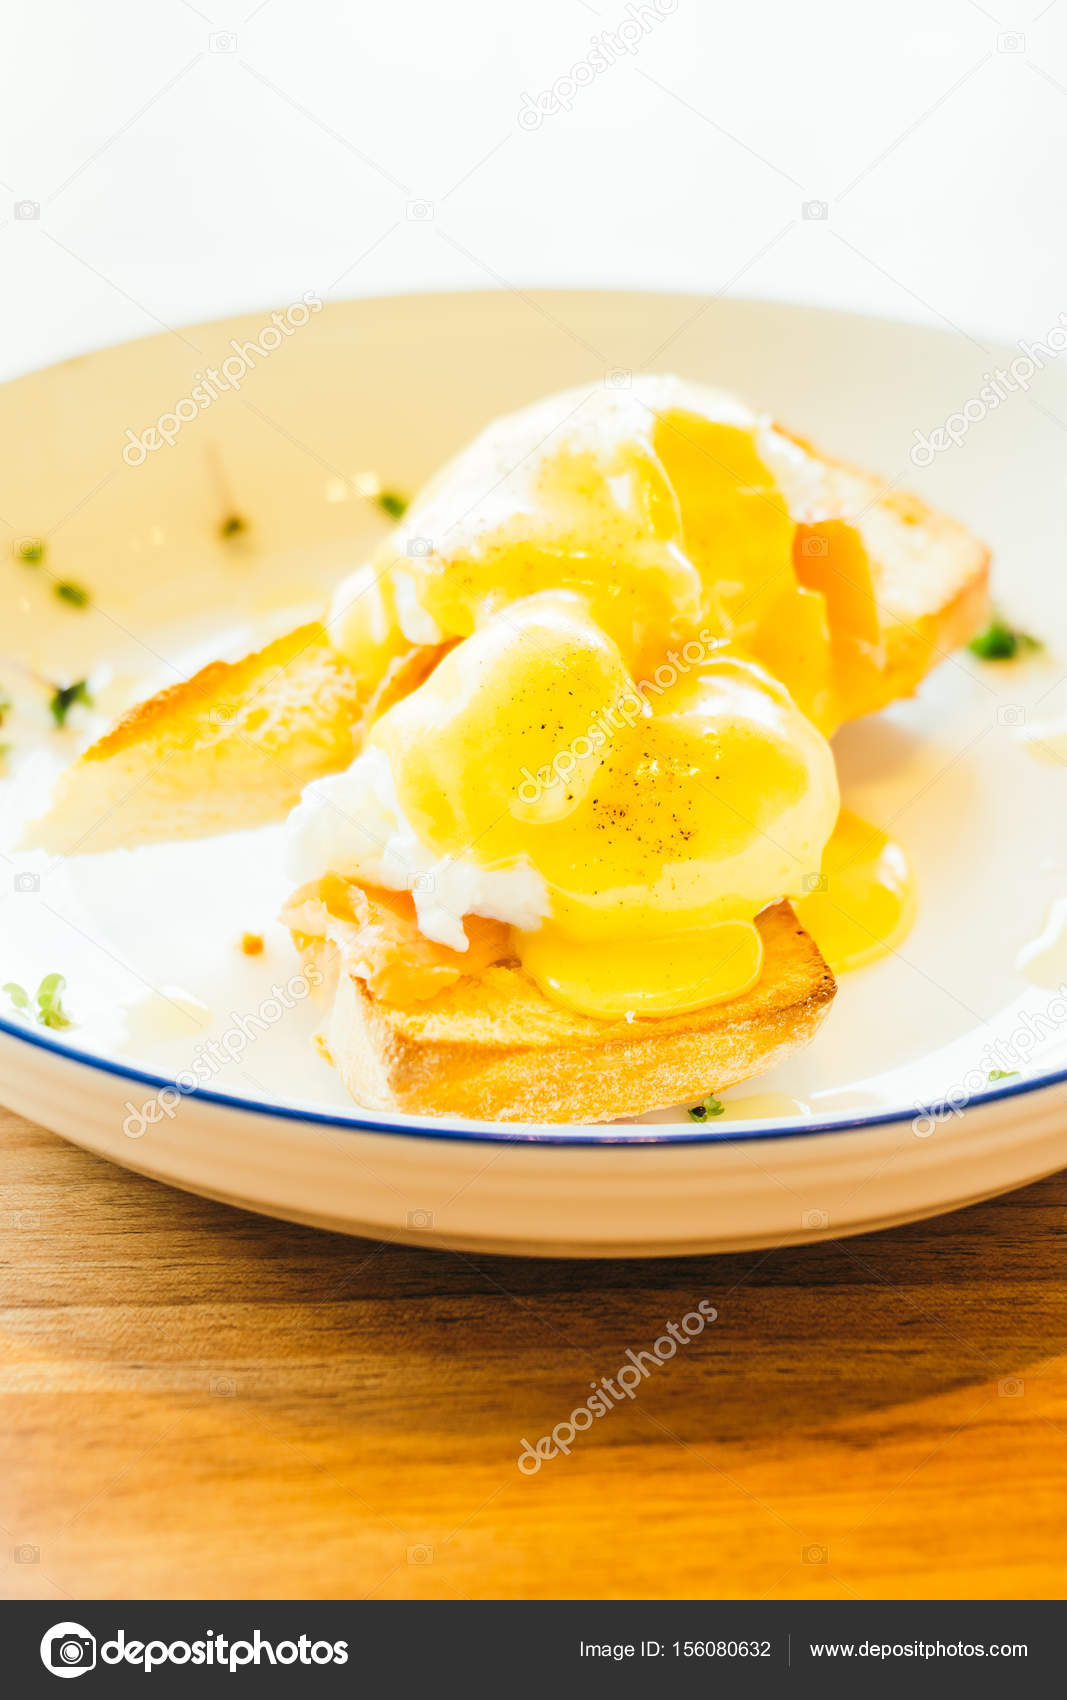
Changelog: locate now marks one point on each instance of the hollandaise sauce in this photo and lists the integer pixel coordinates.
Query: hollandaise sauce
(646, 976)
(863, 902)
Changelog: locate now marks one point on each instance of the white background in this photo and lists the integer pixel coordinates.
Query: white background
(195, 159)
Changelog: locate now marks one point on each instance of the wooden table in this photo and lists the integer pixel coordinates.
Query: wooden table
(203, 1403)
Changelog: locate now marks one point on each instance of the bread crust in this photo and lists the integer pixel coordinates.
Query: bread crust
(495, 1049)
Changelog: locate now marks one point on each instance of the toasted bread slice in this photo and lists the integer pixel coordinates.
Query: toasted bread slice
(493, 1048)
(233, 746)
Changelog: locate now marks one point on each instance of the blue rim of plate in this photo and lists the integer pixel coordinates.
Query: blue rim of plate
(537, 1133)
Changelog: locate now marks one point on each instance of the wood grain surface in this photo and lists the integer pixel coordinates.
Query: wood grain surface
(203, 1403)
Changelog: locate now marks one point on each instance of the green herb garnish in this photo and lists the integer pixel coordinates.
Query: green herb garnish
(233, 525)
(65, 696)
(50, 1011)
(1003, 1074)
(5, 704)
(393, 504)
(30, 550)
(709, 1106)
(73, 593)
(1001, 642)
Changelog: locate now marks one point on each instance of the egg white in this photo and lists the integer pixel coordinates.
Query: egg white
(351, 824)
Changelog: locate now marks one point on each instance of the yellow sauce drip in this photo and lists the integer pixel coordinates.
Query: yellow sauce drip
(761, 1106)
(865, 902)
(644, 976)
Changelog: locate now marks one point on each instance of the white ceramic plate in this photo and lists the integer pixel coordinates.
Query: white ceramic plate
(390, 388)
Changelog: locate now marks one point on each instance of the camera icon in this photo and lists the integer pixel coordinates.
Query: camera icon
(26, 1221)
(1011, 714)
(1011, 42)
(223, 41)
(25, 1554)
(420, 1555)
(816, 210)
(1011, 1387)
(421, 1218)
(223, 1386)
(815, 1219)
(424, 882)
(814, 546)
(618, 378)
(814, 882)
(816, 1555)
(420, 212)
(27, 882)
(224, 715)
(29, 550)
(24, 211)
(68, 1649)
(417, 548)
